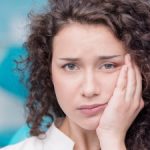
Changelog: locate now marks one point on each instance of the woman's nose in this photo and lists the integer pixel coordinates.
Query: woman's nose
(90, 86)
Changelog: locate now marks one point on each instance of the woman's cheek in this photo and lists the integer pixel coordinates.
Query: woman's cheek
(109, 82)
(65, 86)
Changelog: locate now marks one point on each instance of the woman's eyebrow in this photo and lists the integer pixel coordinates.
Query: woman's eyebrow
(108, 57)
(99, 58)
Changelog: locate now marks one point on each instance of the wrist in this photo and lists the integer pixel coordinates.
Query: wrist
(112, 142)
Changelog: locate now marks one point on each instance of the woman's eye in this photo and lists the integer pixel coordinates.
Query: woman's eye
(108, 66)
(70, 66)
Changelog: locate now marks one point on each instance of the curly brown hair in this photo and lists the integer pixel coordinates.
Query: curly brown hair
(130, 22)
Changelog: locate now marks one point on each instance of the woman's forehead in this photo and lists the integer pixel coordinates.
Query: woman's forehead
(78, 39)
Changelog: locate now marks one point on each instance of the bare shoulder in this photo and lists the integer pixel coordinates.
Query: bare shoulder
(32, 143)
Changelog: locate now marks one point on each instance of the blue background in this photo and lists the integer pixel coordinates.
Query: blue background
(13, 94)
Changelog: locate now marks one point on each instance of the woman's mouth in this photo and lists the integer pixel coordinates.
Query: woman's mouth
(91, 110)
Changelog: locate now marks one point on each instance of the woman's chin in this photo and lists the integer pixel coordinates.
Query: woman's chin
(90, 124)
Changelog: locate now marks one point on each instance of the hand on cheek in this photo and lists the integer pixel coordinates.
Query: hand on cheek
(124, 105)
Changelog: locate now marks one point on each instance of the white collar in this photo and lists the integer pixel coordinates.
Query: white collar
(58, 139)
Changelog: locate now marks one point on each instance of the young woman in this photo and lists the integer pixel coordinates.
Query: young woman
(89, 69)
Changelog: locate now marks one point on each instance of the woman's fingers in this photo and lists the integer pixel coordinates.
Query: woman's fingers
(131, 81)
(126, 102)
(138, 101)
(129, 87)
(120, 89)
(138, 91)
(141, 104)
(122, 80)
(134, 86)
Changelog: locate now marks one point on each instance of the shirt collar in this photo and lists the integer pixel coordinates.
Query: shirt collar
(57, 139)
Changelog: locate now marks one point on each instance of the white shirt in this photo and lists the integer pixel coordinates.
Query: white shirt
(53, 140)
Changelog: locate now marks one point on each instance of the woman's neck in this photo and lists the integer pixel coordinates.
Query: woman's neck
(84, 139)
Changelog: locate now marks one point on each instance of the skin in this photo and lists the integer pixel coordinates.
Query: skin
(91, 79)
(129, 90)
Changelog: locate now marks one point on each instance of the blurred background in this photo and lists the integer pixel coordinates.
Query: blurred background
(13, 94)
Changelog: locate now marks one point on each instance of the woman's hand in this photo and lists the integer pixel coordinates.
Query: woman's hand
(122, 109)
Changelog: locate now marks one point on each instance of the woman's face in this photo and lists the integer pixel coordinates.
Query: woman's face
(85, 66)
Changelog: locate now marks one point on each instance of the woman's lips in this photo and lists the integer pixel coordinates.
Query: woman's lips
(91, 110)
